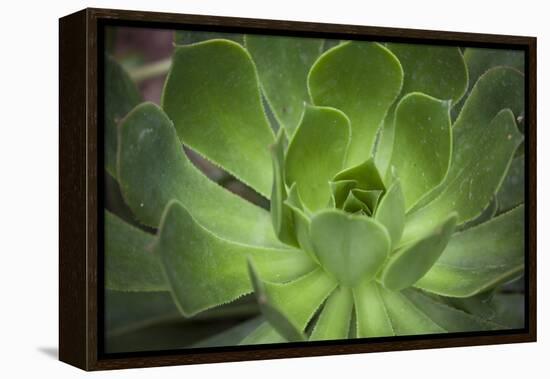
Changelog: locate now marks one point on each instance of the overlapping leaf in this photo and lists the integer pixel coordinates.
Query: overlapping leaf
(362, 79)
(334, 320)
(479, 60)
(512, 192)
(479, 258)
(391, 212)
(405, 317)
(121, 95)
(214, 247)
(281, 214)
(410, 262)
(130, 265)
(212, 95)
(289, 314)
(351, 248)
(437, 71)
(483, 125)
(316, 153)
(370, 311)
(422, 144)
(204, 270)
(153, 169)
(283, 64)
(449, 318)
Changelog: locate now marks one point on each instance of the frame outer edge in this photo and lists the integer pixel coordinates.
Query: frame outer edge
(72, 181)
(92, 180)
(532, 189)
(79, 214)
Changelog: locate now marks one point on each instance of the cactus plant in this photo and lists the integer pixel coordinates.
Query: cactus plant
(392, 171)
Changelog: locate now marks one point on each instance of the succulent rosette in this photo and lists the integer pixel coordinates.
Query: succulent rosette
(394, 174)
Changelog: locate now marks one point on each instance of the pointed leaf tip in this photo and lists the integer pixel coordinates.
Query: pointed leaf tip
(411, 262)
(281, 214)
(391, 212)
(278, 303)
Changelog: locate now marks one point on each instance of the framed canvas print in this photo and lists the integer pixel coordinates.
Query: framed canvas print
(237, 189)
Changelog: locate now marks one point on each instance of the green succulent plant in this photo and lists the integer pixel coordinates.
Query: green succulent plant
(393, 173)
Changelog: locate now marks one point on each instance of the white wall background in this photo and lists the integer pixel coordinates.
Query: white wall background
(29, 186)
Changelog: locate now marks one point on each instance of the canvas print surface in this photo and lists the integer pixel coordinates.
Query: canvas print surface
(264, 189)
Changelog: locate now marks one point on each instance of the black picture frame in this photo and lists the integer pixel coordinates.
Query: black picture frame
(81, 188)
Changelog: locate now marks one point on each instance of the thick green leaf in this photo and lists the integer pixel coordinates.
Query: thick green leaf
(405, 317)
(270, 116)
(285, 326)
(512, 192)
(362, 79)
(294, 200)
(479, 258)
(301, 221)
(412, 261)
(288, 313)
(121, 95)
(474, 178)
(351, 248)
(370, 311)
(114, 201)
(153, 169)
(130, 264)
(498, 89)
(353, 326)
(340, 190)
(212, 96)
(422, 144)
(352, 204)
(479, 60)
(316, 153)
(480, 305)
(281, 214)
(283, 64)
(365, 174)
(204, 270)
(369, 197)
(437, 71)
(263, 334)
(449, 318)
(391, 212)
(186, 37)
(488, 213)
(334, 320)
